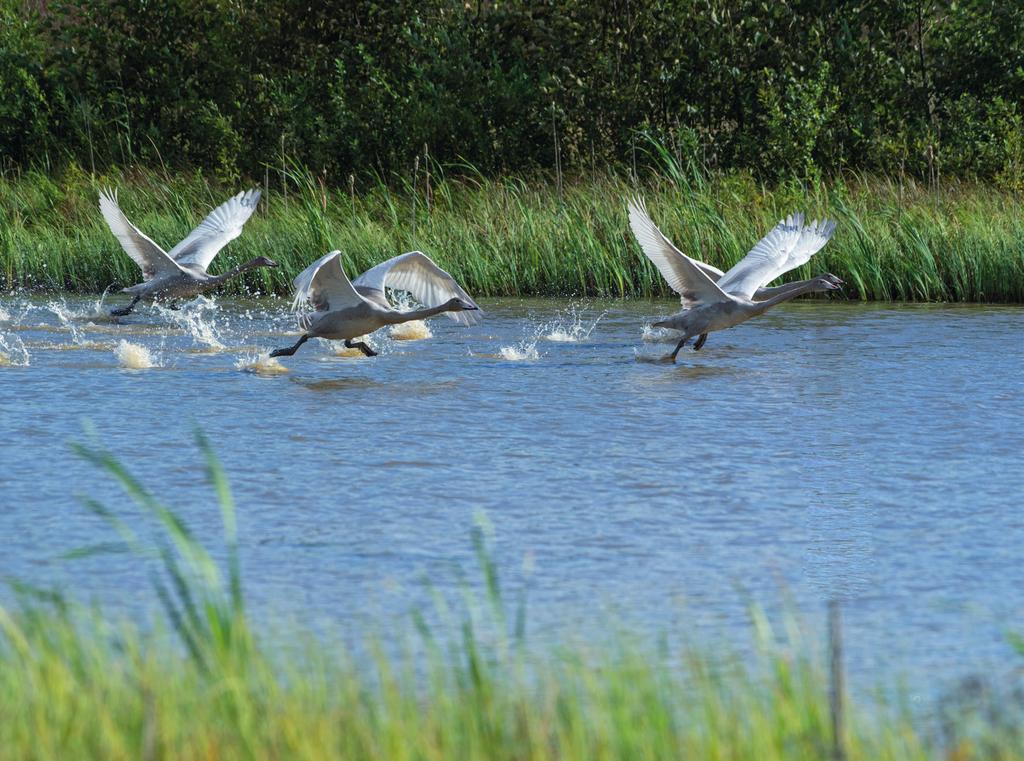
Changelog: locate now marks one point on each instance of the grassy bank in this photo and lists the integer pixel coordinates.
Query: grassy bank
(895, 241)
(200, 682)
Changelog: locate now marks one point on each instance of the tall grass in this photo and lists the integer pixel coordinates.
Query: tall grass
(200, 682)
(512, 236)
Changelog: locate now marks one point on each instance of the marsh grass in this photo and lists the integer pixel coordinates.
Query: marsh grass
(198, 681)
(511, 236)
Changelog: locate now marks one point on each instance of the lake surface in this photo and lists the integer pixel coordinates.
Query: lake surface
(867, 453)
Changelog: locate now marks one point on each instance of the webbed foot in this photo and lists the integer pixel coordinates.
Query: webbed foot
(361, 345)
(122, 311)
(289, 350)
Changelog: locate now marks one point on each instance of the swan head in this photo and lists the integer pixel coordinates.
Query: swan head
(828, 282)
(264, 261)
(458, 305)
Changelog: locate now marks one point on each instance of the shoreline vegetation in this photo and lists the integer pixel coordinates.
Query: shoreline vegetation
(546, 235)
(198, 681)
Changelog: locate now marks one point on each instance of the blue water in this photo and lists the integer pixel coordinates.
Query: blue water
(867, 453)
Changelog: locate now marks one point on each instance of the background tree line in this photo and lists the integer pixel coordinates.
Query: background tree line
(781, 89)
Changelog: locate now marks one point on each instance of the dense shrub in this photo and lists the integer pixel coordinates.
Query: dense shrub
(780, 89)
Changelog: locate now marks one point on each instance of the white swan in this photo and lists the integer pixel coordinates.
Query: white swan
(714, 300)
(761, 294)
(181, 272)
(345, 309)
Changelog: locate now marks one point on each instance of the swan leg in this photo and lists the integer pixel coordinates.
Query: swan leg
(700, 341)
(361, 345)
(682, 342)
(122, 311)
(288, 351)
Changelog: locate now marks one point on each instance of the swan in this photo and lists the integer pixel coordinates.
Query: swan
(181, 272)
(714, 300)
(761, 294)
(347, 309)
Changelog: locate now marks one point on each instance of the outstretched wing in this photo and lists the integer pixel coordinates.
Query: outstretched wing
(325, 285)
(417, 273)
(812, 239)
(787, 246)
(220, 227)
(688, 278)
(152, 260)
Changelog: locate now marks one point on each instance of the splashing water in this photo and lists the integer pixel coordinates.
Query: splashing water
(134, 356)
(569, 326)
(13, 352)
(67, 318)
(83, 312)
(260, 364)
(654, 335)
(524, 350)
(415, 330)
(192, 319)
(5, 316)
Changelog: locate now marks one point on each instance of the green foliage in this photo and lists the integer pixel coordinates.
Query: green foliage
(796, 114)
(780, 90)
(24, 111)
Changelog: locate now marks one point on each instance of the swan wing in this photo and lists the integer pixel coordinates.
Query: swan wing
(812, 239)
(692, 280)
(221, 226)
(789, 244)
(416, 273)
(325, 285)
(152, 260)
(710, 270)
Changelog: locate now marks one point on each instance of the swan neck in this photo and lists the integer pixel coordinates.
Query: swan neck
(235, 271)
(807, 287)
(418, 314)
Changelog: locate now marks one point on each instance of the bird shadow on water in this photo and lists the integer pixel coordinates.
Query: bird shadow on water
(339, 384)
(683, 369)
(403, 389)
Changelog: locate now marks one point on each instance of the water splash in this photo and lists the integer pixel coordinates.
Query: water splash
(99, 313)
(524, 349)
(569, 325)
(13, 352)
(17, 316)
(414, 330)
(84, 312)
(654, 335)
(67, 318)
(194, 320)
(260, 364)
(134, 356)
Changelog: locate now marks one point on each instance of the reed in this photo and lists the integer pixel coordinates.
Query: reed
(199, 681)
(513, 236)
